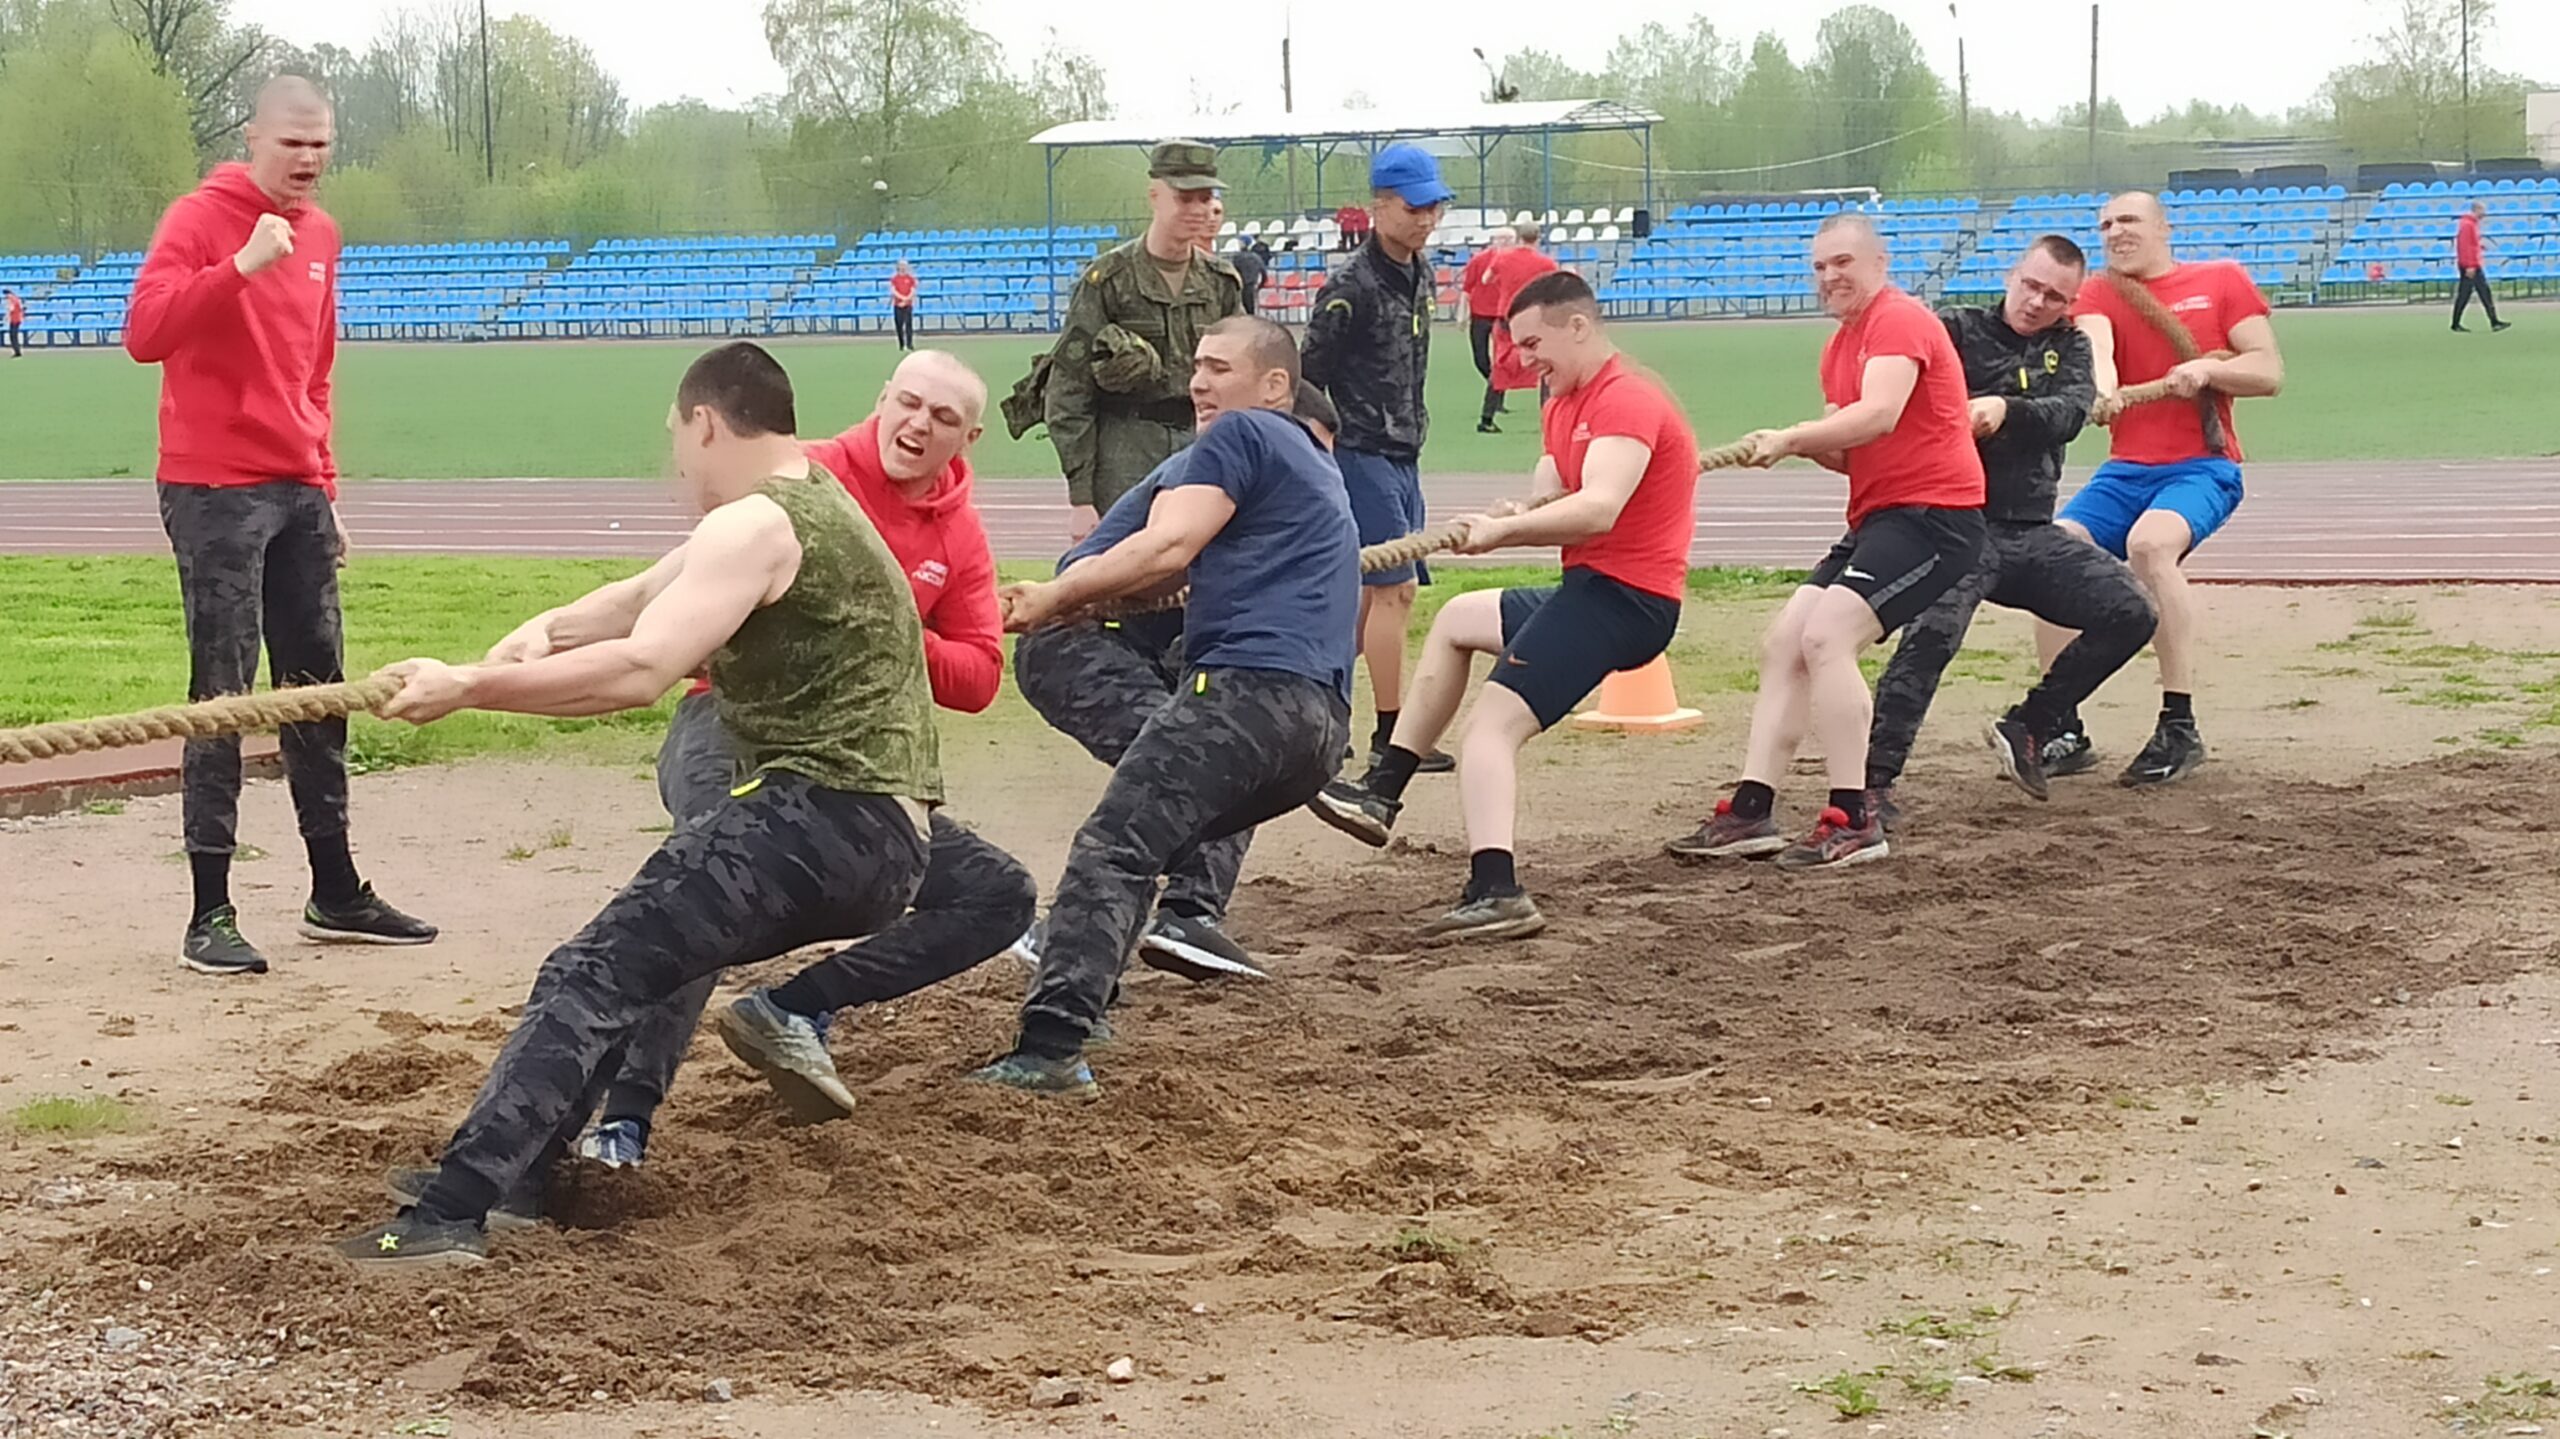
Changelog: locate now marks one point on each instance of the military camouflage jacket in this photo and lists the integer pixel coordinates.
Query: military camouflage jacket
(1124, 288)
(1368, 345)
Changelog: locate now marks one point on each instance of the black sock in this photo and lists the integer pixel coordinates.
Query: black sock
(1489, 874)
(1394, 770)
(1385, 734)
(333, 869)
(2069, 723)
(213, 883)
(1853, 803)
(1754, 800)
(2177, 706)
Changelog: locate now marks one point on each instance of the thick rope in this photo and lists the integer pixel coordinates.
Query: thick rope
(231, 714)
(1389, 554)
(2152, 391)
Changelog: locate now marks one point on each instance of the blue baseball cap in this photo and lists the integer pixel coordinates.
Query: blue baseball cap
(1410, 171)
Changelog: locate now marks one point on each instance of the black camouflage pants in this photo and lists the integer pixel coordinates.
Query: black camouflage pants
(787, 864)
(974, 900)
(2048, 572)
(258, 562)
(1098, 685)
(1230, 749)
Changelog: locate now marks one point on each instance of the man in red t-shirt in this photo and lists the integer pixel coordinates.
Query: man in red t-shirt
(1625, 463)
(902, 305)
(2470, 259)
(2172, 477)
(18, 324)
(1513, 269)
(907, 467)
(1353, 222)
(1898, 421)
(1482, 291)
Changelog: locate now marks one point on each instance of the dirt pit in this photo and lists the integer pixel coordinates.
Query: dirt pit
(2130, 1113)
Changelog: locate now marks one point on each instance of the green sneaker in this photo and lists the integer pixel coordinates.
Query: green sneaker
(1070, 1077)
(214, 946)
(411, 1242)
(790, 1053)
(1489, 916)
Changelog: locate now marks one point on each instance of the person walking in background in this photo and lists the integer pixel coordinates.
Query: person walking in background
(1355, 224)
(902, 304)
(1518, 266)
(2470, 259)
(1477, 288)
(1253, 264)
(17, 323)
(237, 304)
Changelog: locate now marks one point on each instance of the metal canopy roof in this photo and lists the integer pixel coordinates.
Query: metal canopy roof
(1275, 127)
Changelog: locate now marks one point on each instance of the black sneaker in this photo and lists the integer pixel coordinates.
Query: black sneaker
(2500, 327)
(1352, 808)
(2175, 750)
(1489, 916)
(364, 919)
(1487, 427)
(2021, 758)
(2067, 754)
(521, 1210)
(1881, 804)
(1196, 949)
(214, 946)
(411, 1241)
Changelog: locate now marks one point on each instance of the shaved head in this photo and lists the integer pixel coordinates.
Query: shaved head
(1850, 267)
(289, 134)
(948, 366)
(2135, 228)
(931, 411)
(288, 95)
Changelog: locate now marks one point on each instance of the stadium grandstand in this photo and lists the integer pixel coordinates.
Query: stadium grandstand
(2309, 244)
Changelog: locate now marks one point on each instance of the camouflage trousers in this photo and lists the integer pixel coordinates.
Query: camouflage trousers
(258, 563)
(2051, 574)
(1230, 749)
(787, 864)
(1098, 684)
(974, 900)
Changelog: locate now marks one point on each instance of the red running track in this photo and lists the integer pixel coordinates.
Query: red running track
(2318, 523)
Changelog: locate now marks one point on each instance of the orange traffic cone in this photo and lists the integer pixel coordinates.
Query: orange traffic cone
(1641, 700)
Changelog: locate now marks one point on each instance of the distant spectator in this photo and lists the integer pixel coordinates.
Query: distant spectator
(17, 322)
(1217, 224)
(1484, 311)
(1353, 221)
(902, 304)
(1253, 265)
(2469, 258)
(237, 304)
(1512, 270)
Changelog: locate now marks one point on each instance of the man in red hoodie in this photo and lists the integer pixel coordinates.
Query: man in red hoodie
(907, 467)
(237, 304)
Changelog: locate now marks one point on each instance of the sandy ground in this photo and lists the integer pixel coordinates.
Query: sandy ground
(2180, 1112)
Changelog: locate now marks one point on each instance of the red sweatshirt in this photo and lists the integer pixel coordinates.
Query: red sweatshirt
(942, 545)
(244, 361)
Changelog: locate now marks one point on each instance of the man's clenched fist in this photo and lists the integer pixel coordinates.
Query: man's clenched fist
(271, 241)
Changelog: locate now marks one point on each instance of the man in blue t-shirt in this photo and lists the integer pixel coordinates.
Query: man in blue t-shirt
(1099, 681)
(1257, 522)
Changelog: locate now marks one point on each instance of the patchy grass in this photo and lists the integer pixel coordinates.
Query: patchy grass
(1853, 1394)
(2512, 1399)
(70, 1117)
(1421, 1244)
(103, 806)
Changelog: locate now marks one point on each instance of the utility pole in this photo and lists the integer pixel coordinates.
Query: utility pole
(2466, 87)
(1964, 100)
(1289, 104)
(2093, 95)
(488, 124)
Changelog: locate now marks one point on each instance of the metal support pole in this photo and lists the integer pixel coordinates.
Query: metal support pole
(2093, 95)
(1648, 169)
(1547, 162)
(2466, 87)
(488, 122)
(1049, 248)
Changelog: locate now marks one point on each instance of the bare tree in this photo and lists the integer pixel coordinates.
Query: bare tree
(191, 42)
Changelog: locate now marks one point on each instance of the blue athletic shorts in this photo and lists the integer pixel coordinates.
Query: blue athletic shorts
(2203, 492)
(1386, 504)
(1558, 644)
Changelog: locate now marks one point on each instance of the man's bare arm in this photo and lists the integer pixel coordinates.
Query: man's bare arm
(1611, 470)
(1179, 526)
(606, 612)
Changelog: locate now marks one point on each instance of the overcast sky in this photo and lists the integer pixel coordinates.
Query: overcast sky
(2024, 55)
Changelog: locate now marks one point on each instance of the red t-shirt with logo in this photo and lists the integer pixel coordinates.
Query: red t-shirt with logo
(2466, 242)
(1928, 458)
(1648, 548)
(2208, 297)
(902, 290)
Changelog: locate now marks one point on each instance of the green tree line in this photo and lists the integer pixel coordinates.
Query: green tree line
(905, 113)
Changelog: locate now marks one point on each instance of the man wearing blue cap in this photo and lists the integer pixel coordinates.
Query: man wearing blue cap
(1368, 346)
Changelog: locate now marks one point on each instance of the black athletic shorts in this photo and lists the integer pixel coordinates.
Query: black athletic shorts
(1901, 560)
(1558, 644)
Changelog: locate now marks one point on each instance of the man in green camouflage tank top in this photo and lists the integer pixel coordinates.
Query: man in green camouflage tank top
(807, 625)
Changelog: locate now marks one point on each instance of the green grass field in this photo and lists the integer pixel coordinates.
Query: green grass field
(91, 636)
(2365, 384)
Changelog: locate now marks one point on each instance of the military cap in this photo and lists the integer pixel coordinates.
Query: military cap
(1185, 165)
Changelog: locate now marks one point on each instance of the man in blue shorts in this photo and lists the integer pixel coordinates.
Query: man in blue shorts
(1368, 346)
(2172, 477)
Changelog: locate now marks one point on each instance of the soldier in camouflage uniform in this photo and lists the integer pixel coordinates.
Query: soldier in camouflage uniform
(1368, 345)
(1098, 682)
(1118, 398)
(816, 657)
(1256, 521)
